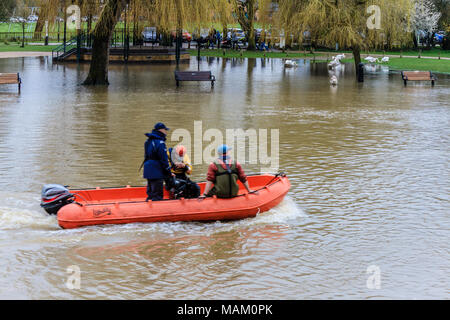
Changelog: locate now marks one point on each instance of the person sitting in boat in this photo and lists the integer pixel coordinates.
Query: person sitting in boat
(156, 163)
(223, 173)
(181, 167)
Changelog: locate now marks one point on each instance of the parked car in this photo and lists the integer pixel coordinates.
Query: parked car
(258, 34)
(149, 35)
(240, 35)
(187, 37)
(439, 36)
(32, 18)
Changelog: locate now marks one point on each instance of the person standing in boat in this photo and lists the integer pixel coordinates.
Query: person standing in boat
(156, 163)
(222, 176)
(181, 167)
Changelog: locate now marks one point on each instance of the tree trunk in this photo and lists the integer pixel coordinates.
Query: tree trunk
(246, 15)
(42, 16)
(357, 57)
(251, 39)
(98, 71)
(416, 45)
(38, 29)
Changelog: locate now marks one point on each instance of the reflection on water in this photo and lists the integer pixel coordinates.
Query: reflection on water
(368, 164)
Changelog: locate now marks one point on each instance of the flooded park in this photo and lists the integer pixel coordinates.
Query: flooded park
(368, 164)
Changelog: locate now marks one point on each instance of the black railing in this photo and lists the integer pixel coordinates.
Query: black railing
(70, 47)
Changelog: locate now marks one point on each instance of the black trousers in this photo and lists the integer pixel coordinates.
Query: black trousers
(155, 189)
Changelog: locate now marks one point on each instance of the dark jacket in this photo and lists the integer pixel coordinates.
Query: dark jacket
(156, 165)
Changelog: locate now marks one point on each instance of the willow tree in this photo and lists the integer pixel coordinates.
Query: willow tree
(109, 16)
(354, 24)
(42, 17)
(223, 14)
(396, 22)
(245, 11)
(167, 14)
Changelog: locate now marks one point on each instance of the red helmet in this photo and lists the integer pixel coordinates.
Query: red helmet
(180, 150)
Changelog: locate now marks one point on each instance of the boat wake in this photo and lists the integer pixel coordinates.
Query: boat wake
(287, 210)
(18, 212)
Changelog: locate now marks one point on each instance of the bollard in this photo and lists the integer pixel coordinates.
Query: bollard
(361, 72)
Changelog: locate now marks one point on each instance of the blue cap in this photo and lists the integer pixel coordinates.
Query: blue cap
(160, 125)
(223, 149)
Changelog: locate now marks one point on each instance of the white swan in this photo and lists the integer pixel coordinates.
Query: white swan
(333, 80)
(290, 63)
(335, 62)
(385, 59)
(371, 59)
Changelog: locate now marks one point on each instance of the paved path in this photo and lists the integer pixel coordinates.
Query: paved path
(20, 54)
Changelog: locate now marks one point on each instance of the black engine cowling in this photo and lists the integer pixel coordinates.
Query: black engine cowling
(54, 197)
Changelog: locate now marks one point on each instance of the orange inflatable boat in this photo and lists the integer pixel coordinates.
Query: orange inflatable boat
(78, 208)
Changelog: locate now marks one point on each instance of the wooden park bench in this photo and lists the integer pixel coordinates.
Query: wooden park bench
(10, 78)
(418, 76)
(194, 76)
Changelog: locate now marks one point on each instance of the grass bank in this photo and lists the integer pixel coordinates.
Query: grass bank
(416, 64)
(228, 53)
(433, 52)
(11, 47)
(434, 65)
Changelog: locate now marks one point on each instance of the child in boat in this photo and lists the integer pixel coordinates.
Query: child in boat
(223, 173)
(181, 167)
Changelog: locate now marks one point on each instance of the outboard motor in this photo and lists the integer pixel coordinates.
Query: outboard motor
(54, 197)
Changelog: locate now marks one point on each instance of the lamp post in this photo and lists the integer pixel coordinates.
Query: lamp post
(65, 25)
(126, 41)
(23, 21)
(46, 32)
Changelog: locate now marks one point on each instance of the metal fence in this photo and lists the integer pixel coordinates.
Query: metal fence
(117, 37)
(31, 36)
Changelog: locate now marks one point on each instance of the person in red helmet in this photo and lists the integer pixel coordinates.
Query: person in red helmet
(181, 167)
(179, 162)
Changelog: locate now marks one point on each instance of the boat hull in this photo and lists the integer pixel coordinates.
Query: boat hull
(128, 205)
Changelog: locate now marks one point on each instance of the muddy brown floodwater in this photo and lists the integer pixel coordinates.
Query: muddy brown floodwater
(368, 164)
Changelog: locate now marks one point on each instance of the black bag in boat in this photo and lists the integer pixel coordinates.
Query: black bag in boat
(182, 188)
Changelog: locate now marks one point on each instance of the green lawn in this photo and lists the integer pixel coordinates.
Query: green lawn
(434, 65)
(442, 66)
(16, 27)
(434, 52)
(17, 47)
